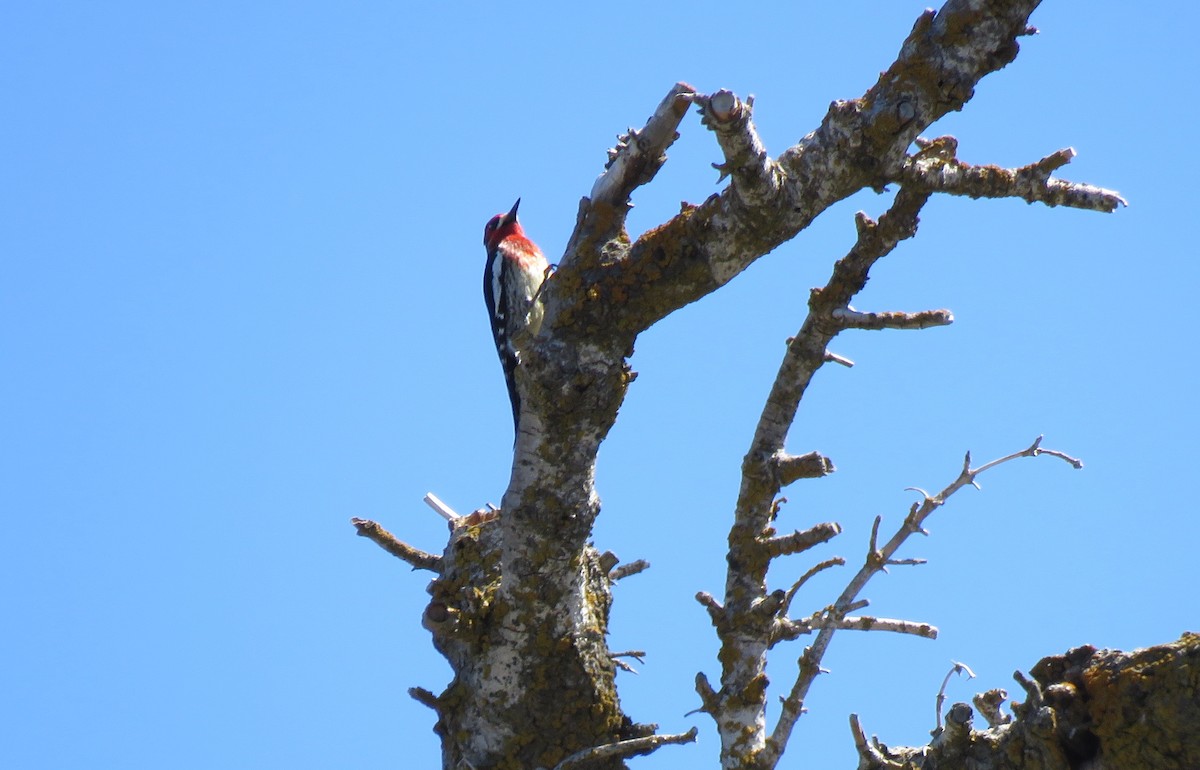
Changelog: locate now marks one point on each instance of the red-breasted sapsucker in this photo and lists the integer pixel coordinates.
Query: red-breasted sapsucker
(511, 280)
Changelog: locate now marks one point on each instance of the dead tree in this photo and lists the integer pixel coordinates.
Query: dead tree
(520, 602)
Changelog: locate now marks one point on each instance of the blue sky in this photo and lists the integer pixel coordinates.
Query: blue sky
(241, 303)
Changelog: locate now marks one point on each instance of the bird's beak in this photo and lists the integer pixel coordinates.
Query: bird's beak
(511, 216)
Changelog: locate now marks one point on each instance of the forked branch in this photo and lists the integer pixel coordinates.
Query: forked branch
(876, 562)
(935, 167)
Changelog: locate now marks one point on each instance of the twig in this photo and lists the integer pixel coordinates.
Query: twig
(894, 625)
(637, 655)
(443, 510)
(836, 561)
(876, 561)
(709, 700)
(870, 757)
(849, 318)
(942, 172)
(1033, 450)
(807, 466)
(716, 612)
(425, 698)
(798, 541)
(623, 749)
(958, 668)
(1033, 690)
(790, 630)
(387, 541)
(626, 570)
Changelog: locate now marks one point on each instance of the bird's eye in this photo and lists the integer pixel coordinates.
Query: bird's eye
(492, 226)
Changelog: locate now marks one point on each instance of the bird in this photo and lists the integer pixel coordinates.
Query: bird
(512, 281)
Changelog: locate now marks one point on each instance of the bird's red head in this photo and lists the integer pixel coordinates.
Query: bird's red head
(502, 226)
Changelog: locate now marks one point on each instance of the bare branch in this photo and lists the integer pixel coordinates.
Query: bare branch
(798, 541)
(789, 630)
(640, 154)
(1033, 450)
(1033, 690)
(834, 358)
(443, 510)
(756, 177)
(708, 696)
(387, 541)
(958, 668)
(836, 561)
(1032, 183)
(875, 562)
(860, 143)
(849, 318)
(624, 666)
(627, 570)
(893, 625)
(623, 749)
(743, 655)
(905, 562)
(807, 466)
(638, 655)
(869, 756)
(424, 697)
(807, 350)
(873, 543)
(1074, 461)
(715, 611)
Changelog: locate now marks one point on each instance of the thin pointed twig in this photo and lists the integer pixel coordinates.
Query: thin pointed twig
(869, 756)
(387, 541)
(623, 749)
(836, 561)
(443, 510)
